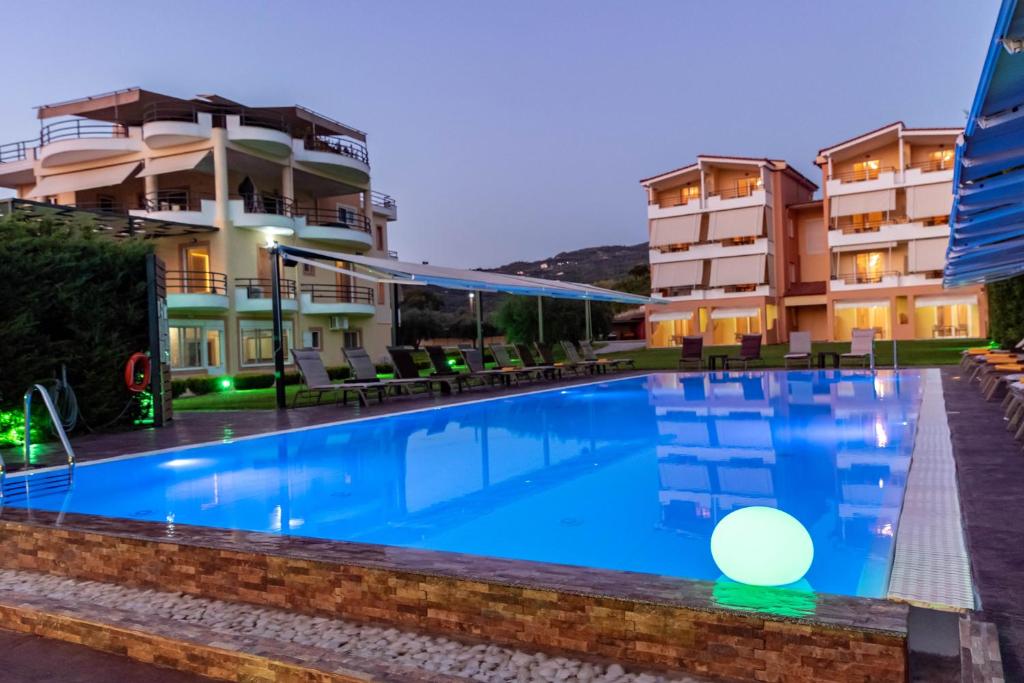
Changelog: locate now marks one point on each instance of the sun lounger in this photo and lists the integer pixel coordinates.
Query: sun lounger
(505, 362)
(549, 371)
(317, 381)
(750, 351)
(474, 360)
(692, 352)
(590, 354)
(862, 347)
(573, 357)
(439, 363)
(799, 349)
(406, 368)
(365, 372)
(547, 357)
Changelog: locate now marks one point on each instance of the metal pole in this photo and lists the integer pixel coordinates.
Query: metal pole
(540, 319)
(895, 360)
(275, 297)
(479, 302)
(590, 326)
(395, 320)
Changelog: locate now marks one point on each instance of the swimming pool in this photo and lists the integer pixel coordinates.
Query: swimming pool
(631, 474)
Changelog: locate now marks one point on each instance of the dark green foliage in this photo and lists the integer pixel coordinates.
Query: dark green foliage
(563, 319)
(212, 384)
(1006, 311)
(71, 298)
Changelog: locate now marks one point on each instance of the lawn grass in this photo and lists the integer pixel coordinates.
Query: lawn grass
(930, 352)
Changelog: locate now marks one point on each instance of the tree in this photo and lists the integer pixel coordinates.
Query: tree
(563, 319)
(417, 324)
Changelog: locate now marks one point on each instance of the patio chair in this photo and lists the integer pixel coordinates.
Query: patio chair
(799, 348)
(505, 361)
(750, 351)
(316, 380)
(691, 352)
(590, 354)
(572, 356)
(549, 371)
(862, 347)
(365, 372)
(441, 368)
(971, 358)
(474, 360)
(547, 357)
(406, 368)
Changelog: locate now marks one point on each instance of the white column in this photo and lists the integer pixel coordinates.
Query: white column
(288, 180)
(900, 171)
(152, 187)
(702, 196)
(220, 176)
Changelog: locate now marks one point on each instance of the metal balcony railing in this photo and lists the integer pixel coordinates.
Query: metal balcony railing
(261, 287)
(933, 165)
(334, 218)
(175, 200)
(247, 117)
(873, 277)
(170, 111)
(384, 201)
(16, 151)
(344, 294)
(861, 175)
(80, 129)
(338, 144)
(263, 202)
(734, 192)
(196, 282)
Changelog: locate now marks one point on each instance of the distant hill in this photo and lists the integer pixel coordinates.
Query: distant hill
(589, 266)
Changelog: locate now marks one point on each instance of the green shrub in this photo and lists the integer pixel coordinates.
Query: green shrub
(1006, 311)
(178, 387)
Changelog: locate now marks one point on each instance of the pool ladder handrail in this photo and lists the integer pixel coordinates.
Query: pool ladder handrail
(57, 424)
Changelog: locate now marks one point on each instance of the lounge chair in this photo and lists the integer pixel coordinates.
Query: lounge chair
(365, 372)
(692, 352)
(547, 356)
(505, 362)
(799, 348)
(750, 351)
(439, 363)
(862, 347)
(317, 381)
(573, 357)
(590, 354)
(474, 360)
(406, 368)
(549, 371)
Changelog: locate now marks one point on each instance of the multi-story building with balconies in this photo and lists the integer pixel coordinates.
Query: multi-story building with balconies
(718, 247)
(212, 180)
(740, 246)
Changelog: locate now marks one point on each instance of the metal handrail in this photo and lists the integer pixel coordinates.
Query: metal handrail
(337, 144)
(933, 165)
(350, 294)
(247, 117)
(265, 202)
(385, 201)
(334, 218)
(861, 175)
(81, 128)
(734, 192)
(16, 151)
(57, 424)
(865, 278)
(196, 282)
(260, 287)
(175, 200)
(167, 111)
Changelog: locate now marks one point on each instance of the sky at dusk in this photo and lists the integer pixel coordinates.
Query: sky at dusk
(514, 130)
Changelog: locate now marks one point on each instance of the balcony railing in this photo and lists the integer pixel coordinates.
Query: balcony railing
(104, 206)
(175, 200)
(734, 192)
(247, 117)
(169, 111)
(861, 175)
(79, 129)
(262, 202)
(261, 287)
(933, 165)
(196, 282)
(334, 218)
(16, 151)
(338, 144)
(339, 294)
(384, 201)
(873, 277)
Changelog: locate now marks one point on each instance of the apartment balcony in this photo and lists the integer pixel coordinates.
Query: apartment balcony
(341, 226)
(16, 159)
(735, 198)
(78, 140)
(935, 171)
(848, 282)
(196, 291)
(269, 213)
(713, 293)
(264, 133)
(179, 207)
(335, 155)
(167, 125)
(710, 250)
(253, 295)
(327, 299)
(891, 229)
(385, 205)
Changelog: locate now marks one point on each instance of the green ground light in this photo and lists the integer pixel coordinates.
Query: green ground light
(225, 383)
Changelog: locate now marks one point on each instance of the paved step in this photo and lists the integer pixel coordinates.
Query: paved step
(234, 641)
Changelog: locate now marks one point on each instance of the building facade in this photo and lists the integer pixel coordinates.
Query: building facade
(213, 181)
(868, 254)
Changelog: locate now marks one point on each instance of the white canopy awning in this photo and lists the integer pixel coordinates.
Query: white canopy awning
(469, 280)
(948, 300)
(171, 164)
(675, 230)
(856, 303)
(52, 185)
(862, 202)
(745, 222)
(677, 274)
(738, 270)
(926, 255)
(723, 313)
(675, 315)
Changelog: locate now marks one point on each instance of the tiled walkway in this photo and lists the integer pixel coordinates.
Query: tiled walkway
(990, 471)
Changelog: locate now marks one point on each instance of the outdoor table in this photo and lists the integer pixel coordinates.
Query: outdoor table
(714, 358)
(822, 355)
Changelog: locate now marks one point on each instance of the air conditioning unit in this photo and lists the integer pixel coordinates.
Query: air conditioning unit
(338, 322)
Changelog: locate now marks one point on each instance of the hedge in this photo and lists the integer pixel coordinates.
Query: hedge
(1006, 311)
(210, 384)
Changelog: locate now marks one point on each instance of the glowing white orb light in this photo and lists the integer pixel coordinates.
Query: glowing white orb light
(762, 546)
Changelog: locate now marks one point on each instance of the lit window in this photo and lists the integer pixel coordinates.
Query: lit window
(869, 266)
(866, 170)
(196, 345)
(745, 186)
(353, 339)
(257, 342)
(940, 160)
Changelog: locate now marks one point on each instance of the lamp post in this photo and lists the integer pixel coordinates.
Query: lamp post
(476, 302)
(540, 319)
(278, 335)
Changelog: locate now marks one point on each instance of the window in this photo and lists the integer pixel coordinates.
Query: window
(314, 338)
(197, 345)
(256, 339)
(941, 160)
(678, 196)
(746, 186)
(308, 269)
(867, 170)
(195, 261)
(867, 221)
(353, 339)
(869, 266)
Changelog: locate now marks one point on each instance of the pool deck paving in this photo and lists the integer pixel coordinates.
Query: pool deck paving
(990, 473)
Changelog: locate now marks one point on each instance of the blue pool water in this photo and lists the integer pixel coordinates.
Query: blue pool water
(630, 474)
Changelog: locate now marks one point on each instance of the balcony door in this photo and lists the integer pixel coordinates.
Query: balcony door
(870, 266)
(195, 261)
